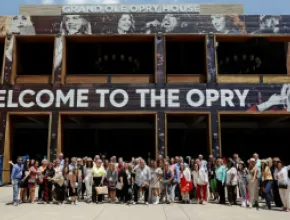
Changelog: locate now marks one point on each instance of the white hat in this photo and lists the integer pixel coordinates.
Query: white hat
(252, 160)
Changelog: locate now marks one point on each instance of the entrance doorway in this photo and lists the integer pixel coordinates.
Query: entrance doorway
(124, 135)
(188, 134)
(265, 134)
(27, 134)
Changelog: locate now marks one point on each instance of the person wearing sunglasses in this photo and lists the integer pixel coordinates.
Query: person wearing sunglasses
(16, 177)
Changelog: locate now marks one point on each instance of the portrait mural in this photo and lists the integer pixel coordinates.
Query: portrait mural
(144, 23)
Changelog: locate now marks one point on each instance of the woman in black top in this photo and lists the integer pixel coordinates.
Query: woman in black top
(24, 181)
(48, 175)
(123, 180)
(65, 173)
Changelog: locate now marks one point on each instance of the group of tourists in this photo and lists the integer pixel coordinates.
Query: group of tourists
(165, 180)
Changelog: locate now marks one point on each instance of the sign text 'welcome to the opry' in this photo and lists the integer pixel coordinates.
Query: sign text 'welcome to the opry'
(119, 98)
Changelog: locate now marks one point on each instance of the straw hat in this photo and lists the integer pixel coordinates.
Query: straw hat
(252, 160)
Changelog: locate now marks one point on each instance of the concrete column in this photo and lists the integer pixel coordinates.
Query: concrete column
(8, 60)
(3, 117)
(160, 126)
(210, 56)
(58, 58)
(53, 136)
(160, 55)
(214, 134)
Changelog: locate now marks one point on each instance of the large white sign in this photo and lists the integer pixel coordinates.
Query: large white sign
(119, 98)
(136, 8)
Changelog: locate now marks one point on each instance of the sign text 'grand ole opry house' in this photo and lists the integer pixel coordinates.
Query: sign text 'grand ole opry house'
(147, 80)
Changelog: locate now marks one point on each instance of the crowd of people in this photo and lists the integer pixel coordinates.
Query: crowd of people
(165, 180)
(241, 64)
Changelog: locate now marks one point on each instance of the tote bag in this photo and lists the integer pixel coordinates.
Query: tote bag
(102, 190)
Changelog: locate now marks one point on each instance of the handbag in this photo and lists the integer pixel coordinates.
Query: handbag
(283, 186)
(31, 181)
(102, 190)
(119, 186)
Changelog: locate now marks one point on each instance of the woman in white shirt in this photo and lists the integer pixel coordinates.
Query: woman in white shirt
(156, 175)
(185, 183)
(284, 185)
(200, 181)
(88, 180)
(232, 182)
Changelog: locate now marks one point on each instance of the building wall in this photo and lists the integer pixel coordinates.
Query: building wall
(211, 97)
(204, 9)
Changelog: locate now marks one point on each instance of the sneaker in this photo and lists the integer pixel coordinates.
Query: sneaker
(15, 203)
(157, 201)
(40, 202)
(133, 203)
(250, 205)
(146, 203)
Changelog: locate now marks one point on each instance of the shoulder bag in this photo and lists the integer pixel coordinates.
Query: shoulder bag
(119, 186)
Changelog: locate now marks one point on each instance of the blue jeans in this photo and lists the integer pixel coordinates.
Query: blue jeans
(268, 188)
(16, 186)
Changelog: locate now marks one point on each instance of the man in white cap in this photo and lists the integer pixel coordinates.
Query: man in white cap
(60, 157)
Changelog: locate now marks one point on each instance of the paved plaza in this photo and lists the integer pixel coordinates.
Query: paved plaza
(84, 211)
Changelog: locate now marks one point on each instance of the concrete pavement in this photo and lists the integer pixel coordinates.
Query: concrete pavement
(84, 211)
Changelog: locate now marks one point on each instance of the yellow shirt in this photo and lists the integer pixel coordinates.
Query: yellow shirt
(267, 174)
(98, 172)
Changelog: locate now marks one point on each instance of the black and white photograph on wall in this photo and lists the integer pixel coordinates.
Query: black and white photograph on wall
(75, 24)
(268, 24)
(17, 25)
(228, 24)
(167, 23)
(21, 24)
(126, 24)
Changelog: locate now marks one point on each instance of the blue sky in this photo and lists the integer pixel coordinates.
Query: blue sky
(10, 7)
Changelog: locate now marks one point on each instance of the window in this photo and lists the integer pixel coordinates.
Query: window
(185, 58)
(33, 59)
(101, 57)
(252, 57)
